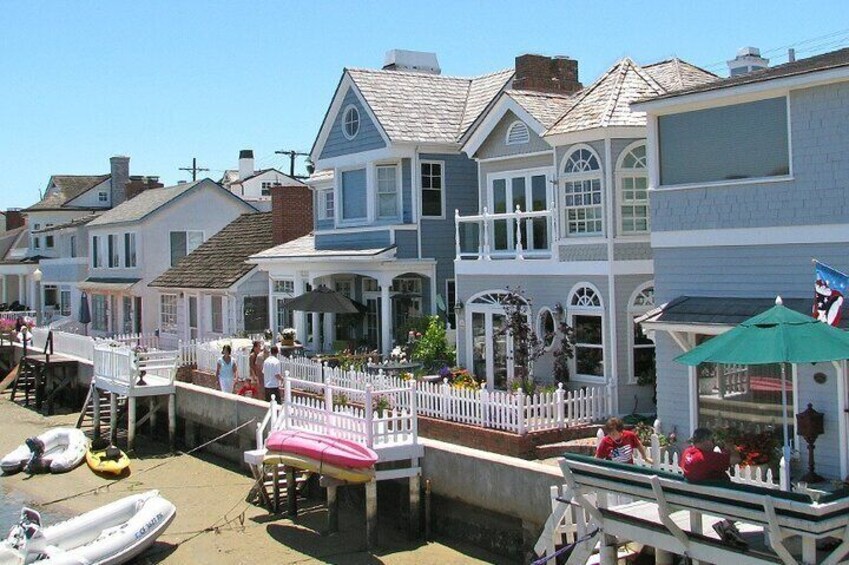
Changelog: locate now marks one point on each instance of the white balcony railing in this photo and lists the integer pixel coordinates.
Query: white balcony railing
(510, 235)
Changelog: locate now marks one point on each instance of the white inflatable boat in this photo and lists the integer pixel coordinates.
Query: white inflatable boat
(111, 534)
(57, 451)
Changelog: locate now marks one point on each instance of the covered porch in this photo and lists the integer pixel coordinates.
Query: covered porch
(114, 303)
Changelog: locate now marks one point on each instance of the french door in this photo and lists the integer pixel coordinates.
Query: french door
(491, 348)
(529, 192)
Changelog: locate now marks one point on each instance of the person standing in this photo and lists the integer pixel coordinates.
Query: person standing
(271, 374)
(226, 371)
(619, 444)
(255, 367)
(703, 463)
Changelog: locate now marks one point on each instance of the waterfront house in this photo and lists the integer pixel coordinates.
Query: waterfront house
(389, 176)
(563, 214)
(252, 185)
(748, 180)
(138, 240)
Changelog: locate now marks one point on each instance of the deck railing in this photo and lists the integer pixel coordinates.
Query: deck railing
(124, 365)
(15, 314)
(64, 343)
(509, 235)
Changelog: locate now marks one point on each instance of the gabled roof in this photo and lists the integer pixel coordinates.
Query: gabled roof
(426, 108)
(151, 200)
(10, 240)
(545, 107)
(63, 188)
(304, 248)
(231, 176)
(76, 222)
(219, 262)
(826, 61)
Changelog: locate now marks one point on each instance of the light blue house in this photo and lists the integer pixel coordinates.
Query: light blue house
(563, 213)
(749, 180)
(389, 176)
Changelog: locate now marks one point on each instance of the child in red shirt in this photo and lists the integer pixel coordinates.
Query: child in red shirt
(619, 444)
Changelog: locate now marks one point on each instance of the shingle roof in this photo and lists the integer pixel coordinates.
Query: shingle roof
(323, 176)
(675, 74)
(546, 108)
(76, 222)
(607, 102)
(63, 188)
(826, 61)
(143, 204)
(8, 240)
(220, 261)
(422, 107)
(305, 247)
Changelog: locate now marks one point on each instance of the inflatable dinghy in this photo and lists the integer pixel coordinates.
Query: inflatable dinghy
(111, 534)
(106, 459)
(56, 451)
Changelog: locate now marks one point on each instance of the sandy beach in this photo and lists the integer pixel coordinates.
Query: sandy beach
(214, 523)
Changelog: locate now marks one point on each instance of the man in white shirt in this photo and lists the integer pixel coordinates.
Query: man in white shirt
(272, 377)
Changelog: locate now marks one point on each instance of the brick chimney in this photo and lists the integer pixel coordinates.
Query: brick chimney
(139, 184)
(291, 210)
(14, 218)
(546, 74)
(119, 167)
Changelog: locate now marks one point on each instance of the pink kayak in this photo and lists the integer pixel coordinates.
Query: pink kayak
(330, 450)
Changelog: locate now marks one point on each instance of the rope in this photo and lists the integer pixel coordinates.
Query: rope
(171, 460)
(564, 549)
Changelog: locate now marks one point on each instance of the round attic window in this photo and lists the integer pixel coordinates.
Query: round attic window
(351, 122)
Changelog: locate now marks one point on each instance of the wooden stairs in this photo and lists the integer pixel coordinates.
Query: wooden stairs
(20, 379)
(85, 421)
(271, 487)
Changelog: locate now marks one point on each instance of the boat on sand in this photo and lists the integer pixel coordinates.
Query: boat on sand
(57, 450)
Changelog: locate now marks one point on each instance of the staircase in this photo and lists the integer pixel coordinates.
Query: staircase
(85, 421)
(24, 382)
(272, 487)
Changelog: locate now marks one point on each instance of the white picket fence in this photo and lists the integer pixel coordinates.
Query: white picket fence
(15, 314)
(64, 343)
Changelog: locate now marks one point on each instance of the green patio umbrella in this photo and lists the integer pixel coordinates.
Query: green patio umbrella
(778, 335)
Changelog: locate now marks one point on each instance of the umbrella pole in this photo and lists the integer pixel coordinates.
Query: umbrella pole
(785, 424)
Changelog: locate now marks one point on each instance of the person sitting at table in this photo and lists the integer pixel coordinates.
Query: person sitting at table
(619, 444)
(272, 374)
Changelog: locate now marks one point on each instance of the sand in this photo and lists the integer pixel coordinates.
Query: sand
(214, 524)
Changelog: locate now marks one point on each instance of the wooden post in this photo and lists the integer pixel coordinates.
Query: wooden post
(131, 423)
(291, 492)
(415, 512)
(332, 510)
(152, 411)
(275, 486)
(607, 551)
(172, 421)
(95, 399)
(371, 514)
(113, 418)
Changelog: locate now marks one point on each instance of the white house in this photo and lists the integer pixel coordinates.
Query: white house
(252, 185)
(135, 242)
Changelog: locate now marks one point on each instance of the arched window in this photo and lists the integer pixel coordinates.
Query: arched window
(546, 327)
(586, 316)
(642, 359)
(351, 122)
(518, 134)
(581, 190)
(633, 182)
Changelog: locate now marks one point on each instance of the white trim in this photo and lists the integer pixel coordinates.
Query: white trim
(493, 118)
(516, 157)
(771, 235)
(595, 134)
(366, 229)
(422, 189)
(562, 178)
(349, 108)
(723, 183)
(340, 200)
(520, 127)
(539, 328)
(597, 311)
(631, 173)
(734, 94)
(632, 312)
(542, 267)
(399, 203)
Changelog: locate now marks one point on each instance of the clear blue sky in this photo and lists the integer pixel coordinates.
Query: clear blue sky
(165, 81)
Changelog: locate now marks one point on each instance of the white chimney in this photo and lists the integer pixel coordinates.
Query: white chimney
(415, 61)
(246, 163)
(748, 59)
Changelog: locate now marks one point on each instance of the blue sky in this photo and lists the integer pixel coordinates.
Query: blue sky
(165, 81)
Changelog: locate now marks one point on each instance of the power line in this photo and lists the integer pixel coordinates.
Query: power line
(292, 154)
(194, 169)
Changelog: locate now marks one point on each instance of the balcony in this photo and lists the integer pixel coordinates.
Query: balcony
(511, 235)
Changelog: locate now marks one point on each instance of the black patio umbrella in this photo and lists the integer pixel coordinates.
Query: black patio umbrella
(324, 300)
(85, 312)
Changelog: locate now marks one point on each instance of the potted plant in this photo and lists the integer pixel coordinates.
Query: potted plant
(287, 336)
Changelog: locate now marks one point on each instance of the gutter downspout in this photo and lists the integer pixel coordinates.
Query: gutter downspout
(415, 197)
(613, 381)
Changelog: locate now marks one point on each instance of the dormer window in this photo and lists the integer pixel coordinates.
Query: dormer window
(102, 196)
(518, 134)
(351, 122)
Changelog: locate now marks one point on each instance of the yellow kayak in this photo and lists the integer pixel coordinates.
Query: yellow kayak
(109, 460)
(309, 464)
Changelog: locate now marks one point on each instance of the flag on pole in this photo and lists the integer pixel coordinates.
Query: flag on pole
(829, 290)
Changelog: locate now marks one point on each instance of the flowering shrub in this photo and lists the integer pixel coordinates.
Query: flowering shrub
(756, 448)
(289, 333)
(644, 432)
(7, 325)
(380, 404)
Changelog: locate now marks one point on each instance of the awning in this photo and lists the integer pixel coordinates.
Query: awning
(107, 283)
(692, 313)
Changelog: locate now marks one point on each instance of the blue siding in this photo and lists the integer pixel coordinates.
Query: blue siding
(367, 138)
(354, 195)
(496, 146)
(319, 224)
(359, 240)
(407, 191)
(407, 242)
(816, 195)
(461, 193)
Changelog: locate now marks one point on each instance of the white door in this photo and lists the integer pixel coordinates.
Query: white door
(193, 317)
(528, 192)
(491, 350)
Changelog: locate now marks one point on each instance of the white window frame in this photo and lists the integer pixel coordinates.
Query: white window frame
(281, 290)
(326, 204)
(507, 177)
(113, 251)
(216, 316)
(345, 121)
(65, 301)
(520, 138)
(130, 237)
(95, 312)
(339, 183)
(631, 173)
(48, 241)
(265, 188)
(102, 196)
(582, 308)
(378, 193)
(581, 177)
(441, 164)
(72, 246)
(188, 251)
(635, 310)
(168, 313)
(541, 330)
(95, 251)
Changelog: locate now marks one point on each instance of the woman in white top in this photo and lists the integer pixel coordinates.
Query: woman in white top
(25, 337)
(226, 371)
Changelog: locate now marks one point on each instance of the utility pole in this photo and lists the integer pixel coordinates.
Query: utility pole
(194, 169)
(292, 154)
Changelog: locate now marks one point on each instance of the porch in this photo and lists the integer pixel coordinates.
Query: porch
(115, 305)
(517, 234)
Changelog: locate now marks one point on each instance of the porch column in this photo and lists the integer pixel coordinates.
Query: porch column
(329, 325)
(299, 316)
(386, 329)
(5, 280)
(316, 329)
(22, 296)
